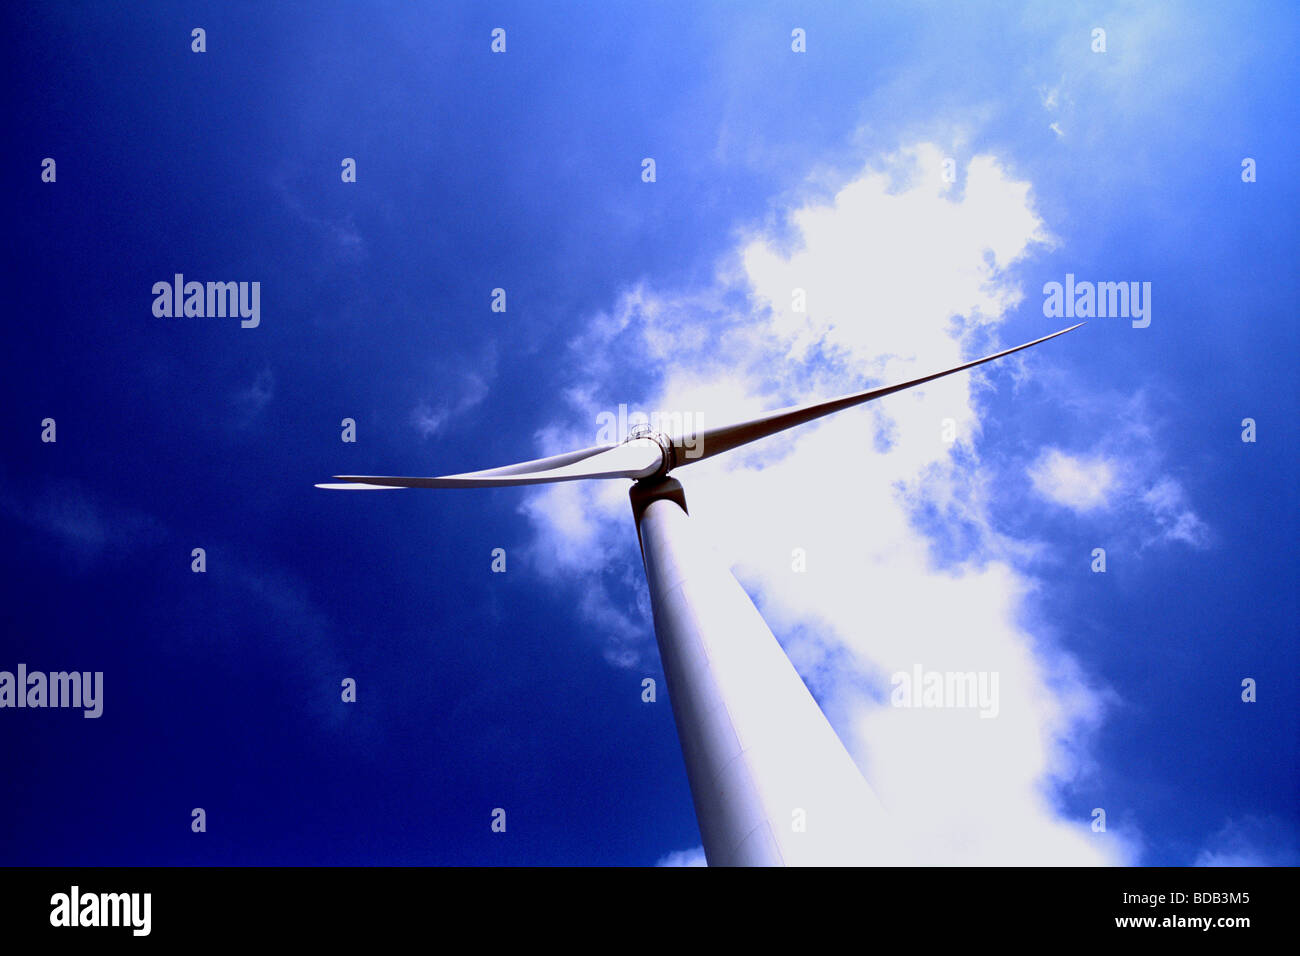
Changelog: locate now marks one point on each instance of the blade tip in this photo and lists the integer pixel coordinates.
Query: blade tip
(353, 486)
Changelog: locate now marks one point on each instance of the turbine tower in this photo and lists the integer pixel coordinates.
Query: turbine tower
(771, 782)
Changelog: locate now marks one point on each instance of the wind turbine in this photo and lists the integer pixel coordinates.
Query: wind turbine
(771, 782)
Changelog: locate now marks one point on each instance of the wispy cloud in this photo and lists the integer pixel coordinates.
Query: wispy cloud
(80, 524)
(250, 401)
(693, 857)
(295, 636)
(1120, 482)
(339, 234)
(1252, 841)
(1169, 507)
(461, 391)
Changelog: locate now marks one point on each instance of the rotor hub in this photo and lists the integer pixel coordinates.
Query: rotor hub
(665, 448)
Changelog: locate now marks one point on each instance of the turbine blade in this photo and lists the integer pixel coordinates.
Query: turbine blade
(353, 486)
(714, 441)
(638, 458)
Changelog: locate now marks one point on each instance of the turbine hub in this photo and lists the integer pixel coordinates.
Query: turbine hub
(637, 432)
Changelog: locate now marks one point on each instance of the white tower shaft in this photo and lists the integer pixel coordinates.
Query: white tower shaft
(772, 783)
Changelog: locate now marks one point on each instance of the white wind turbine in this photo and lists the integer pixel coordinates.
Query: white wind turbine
(771, 782)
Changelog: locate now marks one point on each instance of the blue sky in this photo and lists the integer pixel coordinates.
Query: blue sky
(522, 171)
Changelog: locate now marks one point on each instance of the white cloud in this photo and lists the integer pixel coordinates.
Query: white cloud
(1120, 483)
(1079, 483)
(693, 857)
(902, 277)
